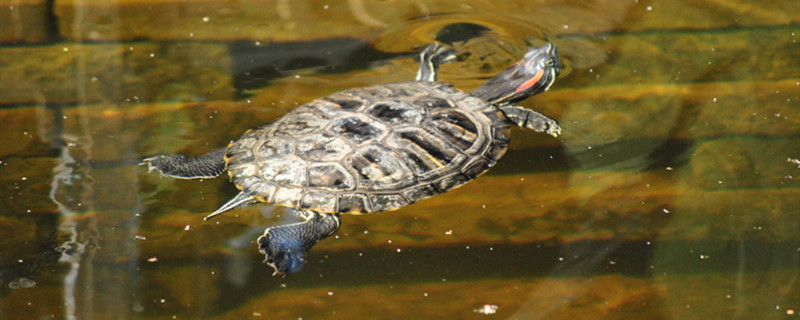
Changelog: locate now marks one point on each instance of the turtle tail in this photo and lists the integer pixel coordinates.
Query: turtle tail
(533, 74)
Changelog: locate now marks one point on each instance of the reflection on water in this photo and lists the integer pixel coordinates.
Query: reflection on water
(672, 193)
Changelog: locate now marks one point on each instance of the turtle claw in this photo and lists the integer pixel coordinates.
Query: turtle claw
(284, 261)
(285, 246)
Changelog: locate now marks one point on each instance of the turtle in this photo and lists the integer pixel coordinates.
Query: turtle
(372, 149)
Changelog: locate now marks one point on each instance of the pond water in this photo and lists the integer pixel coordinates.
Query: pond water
(672, 193)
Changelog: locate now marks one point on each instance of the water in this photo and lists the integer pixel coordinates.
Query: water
(672, 193)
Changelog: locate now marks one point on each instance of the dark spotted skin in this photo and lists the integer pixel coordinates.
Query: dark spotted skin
(370, 149)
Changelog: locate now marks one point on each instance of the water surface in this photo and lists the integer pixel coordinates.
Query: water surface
(673, 192)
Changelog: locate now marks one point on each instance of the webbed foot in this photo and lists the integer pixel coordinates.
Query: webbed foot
(285, 246)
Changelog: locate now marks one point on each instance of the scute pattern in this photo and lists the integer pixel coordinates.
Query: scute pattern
(321, 147)
(370, 149)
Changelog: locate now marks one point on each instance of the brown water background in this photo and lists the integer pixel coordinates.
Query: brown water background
(673, 192)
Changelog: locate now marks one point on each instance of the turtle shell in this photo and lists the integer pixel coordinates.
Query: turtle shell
(370, 149)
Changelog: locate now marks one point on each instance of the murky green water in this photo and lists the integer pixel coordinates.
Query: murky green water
(673, 192)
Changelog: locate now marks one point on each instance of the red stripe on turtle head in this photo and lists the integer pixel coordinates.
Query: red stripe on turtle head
(530, 82)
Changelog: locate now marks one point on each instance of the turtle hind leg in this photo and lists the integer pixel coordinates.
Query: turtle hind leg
(205, 166)
(285, 246)
(430, 59)
(533, 120)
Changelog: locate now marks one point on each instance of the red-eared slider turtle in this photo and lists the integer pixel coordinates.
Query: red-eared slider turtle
(372, 149)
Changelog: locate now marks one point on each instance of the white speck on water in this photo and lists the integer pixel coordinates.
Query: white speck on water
(330, 293)
(206, 19)
(704, 257)
(649, 8)
(449, 232)
(297, 76)
(326, 7)
(399, 250)
(565, 26)
(486, 309)
(152, 259)
(152, 55)
(137, 307)
(138, 237)
(187, 228)
(714, 100)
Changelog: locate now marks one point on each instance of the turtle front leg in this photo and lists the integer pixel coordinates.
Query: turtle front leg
(205, 166)
(431, 58)
(533, 120)
(285, 246)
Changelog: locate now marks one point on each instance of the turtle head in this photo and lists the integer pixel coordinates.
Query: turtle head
(533, 74)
